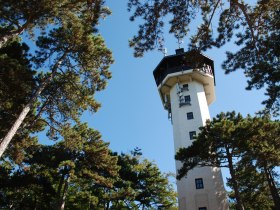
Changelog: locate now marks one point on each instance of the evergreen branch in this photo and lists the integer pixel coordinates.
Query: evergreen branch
(73, 85)
(249, 23)
(53, 127)
(212, 15)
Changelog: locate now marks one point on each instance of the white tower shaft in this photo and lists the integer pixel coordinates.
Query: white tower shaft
(186, 119)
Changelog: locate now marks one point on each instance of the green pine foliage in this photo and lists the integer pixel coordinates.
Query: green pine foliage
(253, 27)
(252, 186)
(80, 162)
(83, 69)
(17, 17)
(141, 185)
(80, 172)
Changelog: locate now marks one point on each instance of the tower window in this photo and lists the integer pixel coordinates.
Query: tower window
(185, 87)
(185, 100)
(199, 183)
(189, 115)
(192, 135)
(202, 208)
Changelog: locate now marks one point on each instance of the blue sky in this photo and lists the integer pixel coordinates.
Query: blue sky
(132, 114)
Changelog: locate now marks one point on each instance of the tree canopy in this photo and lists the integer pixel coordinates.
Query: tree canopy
(52, 172)
(142, 185)
(17, 17)
(81, 172)
(71, 62)
(253, 27)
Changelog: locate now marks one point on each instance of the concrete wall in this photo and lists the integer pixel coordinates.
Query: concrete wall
(212, 196)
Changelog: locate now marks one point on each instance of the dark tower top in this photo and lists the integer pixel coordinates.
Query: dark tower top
(182, 61)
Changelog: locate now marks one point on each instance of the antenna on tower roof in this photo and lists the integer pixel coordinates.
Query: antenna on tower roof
(165, 51)
(180, 41)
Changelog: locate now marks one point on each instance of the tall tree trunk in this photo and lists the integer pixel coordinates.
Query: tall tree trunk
(59, 188)
(272, 188)
(65, 189)
(7, 139)
(239, 203)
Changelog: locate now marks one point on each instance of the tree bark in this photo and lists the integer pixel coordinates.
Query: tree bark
(65, 189)
(243, 8)
(7, 139)
(107, 205)
(272, 188)
(60, 185)
(239, 203)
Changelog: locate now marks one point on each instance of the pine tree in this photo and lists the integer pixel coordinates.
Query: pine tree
(262, 149)
(79, 66)
(141, 185)
(253, 187)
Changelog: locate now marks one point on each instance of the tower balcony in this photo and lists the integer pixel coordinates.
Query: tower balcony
(185, 67)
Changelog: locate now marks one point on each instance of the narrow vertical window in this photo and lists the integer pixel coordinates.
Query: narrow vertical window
(192, 135)
(184, 100)
(185, 87)
(189, 115)
(199, 183)
(187, 99)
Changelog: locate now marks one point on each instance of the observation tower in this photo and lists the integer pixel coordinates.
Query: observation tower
(186, 85)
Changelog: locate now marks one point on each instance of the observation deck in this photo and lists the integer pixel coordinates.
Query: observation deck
(184, 67)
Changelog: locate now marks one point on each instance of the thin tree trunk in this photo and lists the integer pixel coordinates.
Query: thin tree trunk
(65, 189)
(239, 203)
(60, 185)
(107, 205)
(272, 188)
(7, 139)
